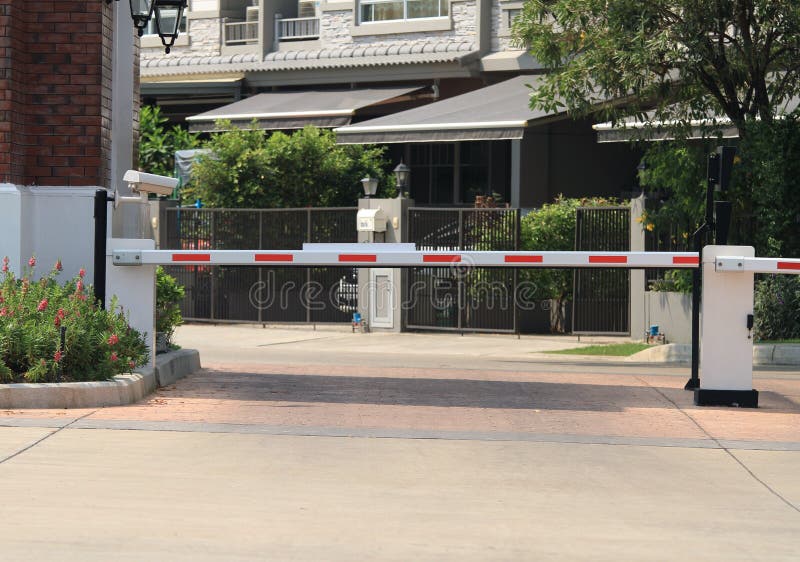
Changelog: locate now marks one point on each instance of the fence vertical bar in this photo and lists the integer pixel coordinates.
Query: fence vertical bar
(260, 215)
(459, 278)
(517, 236)
(213, 272)
(308, 269)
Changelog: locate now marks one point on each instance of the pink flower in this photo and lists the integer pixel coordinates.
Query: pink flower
(113, 339)
(131, 364)
(59, 267)
(5, 268)
(114, 356)
(58, 356)
(42, 305)
(32, 261)
(81, 273)
(4, 311)
(79, 286)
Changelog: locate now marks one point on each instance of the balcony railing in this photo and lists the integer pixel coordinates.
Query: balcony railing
(288, 29)
(240, 33)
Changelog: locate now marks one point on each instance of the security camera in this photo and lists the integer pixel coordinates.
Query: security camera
(142, 182)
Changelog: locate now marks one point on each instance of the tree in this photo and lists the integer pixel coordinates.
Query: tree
(158, 143)
(248, 168)
(687, 59)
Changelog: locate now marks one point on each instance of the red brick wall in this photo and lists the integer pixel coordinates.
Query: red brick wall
(55, 92)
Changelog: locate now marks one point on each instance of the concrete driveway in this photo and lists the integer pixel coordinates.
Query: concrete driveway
(300, 445)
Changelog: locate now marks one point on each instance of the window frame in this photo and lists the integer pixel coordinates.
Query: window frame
(405, 18)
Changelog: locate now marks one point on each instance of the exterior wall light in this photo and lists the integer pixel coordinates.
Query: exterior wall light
(168, 20)
(370, 186)
(141, 12)
(168, 14)
(402, 174)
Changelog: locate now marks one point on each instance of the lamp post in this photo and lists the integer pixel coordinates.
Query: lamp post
(402, 174)
(370, 186)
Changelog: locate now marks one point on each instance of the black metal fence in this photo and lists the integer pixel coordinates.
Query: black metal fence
(263, 294)
(601, 297)
(462, 298)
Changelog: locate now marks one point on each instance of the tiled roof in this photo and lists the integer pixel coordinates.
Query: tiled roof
(341, 57)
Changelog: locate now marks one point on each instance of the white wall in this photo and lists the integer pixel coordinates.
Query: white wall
(51, 223)
(672, 312)
(204, 5)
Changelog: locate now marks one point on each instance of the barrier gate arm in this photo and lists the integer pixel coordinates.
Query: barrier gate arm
(370, 256)
(758, 265)
(728, 282)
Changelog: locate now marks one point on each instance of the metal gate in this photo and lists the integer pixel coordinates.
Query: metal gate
(460, 297)
(601, 297)
(263, 294)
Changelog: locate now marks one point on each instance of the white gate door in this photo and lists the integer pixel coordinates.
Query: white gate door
(381, 298)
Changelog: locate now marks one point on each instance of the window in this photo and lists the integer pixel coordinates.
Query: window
(151, 29)
(511, 15)
(388, 10)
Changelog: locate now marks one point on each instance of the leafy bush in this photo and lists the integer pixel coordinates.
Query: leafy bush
(98, 343)
(168, 297)
(250, 168)
(158, 143)
(549, 228)
(777, 308)
(674, 280)
(766, 187)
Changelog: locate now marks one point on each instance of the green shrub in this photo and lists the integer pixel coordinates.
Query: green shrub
(98, 345)
(158, 142)
(251, 168)
(552, 228)
(777, 308)
(168, 297)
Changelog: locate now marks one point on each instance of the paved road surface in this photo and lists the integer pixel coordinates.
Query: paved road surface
(327, 445)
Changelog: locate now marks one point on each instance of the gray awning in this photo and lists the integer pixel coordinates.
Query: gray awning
(653, 130)
(295, 110)
(497, 112)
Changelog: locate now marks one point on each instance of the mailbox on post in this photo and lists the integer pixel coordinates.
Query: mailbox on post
(371, 220)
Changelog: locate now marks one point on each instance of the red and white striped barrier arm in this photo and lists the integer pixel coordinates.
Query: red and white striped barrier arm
(759, 265)
(377, 258)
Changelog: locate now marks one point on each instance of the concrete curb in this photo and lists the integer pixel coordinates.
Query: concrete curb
(123, 389)
(763, 354)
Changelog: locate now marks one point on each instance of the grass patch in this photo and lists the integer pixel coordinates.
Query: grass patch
(795, 340)
(614, 349)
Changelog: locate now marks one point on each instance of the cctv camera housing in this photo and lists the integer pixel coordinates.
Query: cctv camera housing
(143, 182)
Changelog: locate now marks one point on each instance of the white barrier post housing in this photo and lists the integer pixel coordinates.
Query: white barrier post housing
(726, 343)
(135, 289)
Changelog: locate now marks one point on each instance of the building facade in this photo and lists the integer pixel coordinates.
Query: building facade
(233, 50)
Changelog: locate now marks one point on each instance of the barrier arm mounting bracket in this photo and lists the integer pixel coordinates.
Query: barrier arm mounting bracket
(757, 265)
(127, 257)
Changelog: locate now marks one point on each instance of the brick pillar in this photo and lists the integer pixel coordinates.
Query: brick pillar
(55, 92)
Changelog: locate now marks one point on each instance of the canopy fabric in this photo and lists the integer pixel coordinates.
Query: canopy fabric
(184, 161)
(497, 112)
(295, 110)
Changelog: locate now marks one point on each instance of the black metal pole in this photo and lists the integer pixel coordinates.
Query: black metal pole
(100, 230)
(697, 274)
(694, 380)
